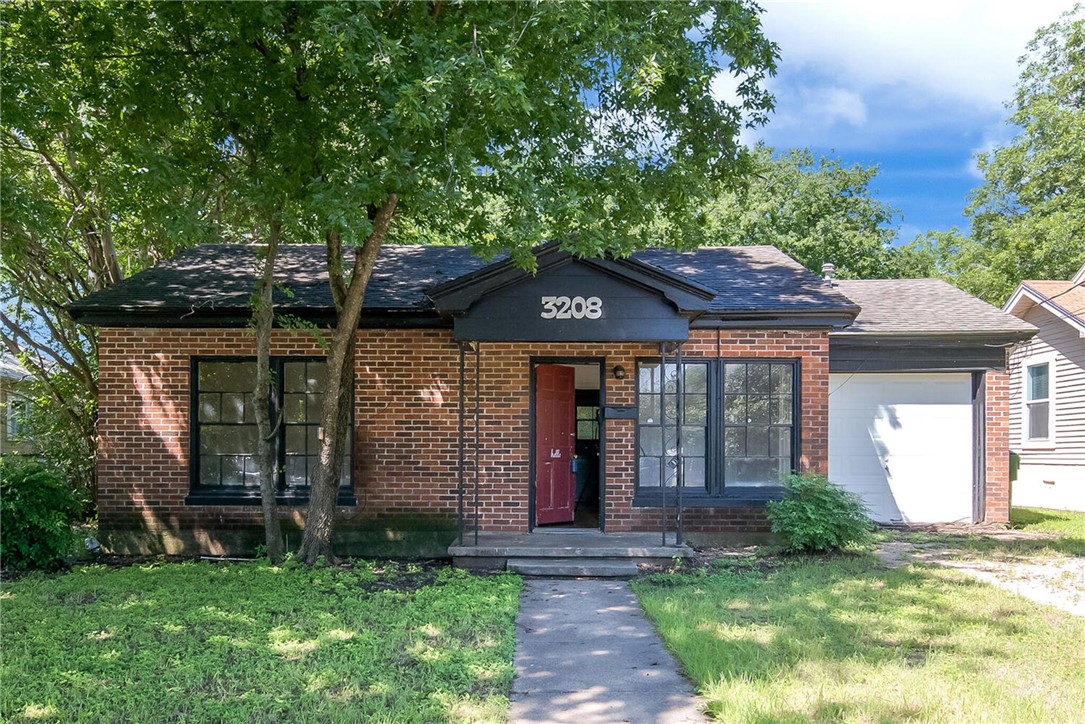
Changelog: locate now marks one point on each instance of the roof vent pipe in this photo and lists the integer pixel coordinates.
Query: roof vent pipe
(827, 270)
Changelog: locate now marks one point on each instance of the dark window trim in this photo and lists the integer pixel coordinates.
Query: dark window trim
(208, 495)
(745, 496)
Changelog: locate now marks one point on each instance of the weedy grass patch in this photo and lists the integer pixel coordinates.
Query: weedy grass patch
(228, 642)
(844, 639)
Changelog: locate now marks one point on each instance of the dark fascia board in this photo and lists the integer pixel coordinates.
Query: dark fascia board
(845, 338)
(187, 318)
(455, 296)
(920, 353)
(776, 319)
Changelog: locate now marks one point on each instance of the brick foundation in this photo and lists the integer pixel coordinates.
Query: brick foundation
(406, 431)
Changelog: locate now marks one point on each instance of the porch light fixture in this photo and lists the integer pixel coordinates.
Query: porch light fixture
(619, 372)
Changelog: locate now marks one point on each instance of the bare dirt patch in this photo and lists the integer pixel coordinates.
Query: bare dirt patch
(1055, 581)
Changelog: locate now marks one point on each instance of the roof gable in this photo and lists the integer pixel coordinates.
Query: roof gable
(457, 295)
(1064, 300)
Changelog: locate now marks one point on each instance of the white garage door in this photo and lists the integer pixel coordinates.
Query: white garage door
(904, 443)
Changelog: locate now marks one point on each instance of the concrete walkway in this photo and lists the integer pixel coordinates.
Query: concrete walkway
(586, 654)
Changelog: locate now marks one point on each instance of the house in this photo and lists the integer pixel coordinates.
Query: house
(1047, 394)
(14, 407)
(489, 399)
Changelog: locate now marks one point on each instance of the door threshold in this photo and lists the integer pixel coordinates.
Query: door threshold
(567, 530)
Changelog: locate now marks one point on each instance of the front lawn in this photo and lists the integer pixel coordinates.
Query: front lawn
(230, 642)
(827, 639)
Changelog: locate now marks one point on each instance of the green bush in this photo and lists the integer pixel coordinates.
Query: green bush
(816, 515)
(37, 509)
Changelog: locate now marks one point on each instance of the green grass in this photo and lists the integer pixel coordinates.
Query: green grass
(232, 642)
(1064, 535)
(1064, 523)
(830, 639)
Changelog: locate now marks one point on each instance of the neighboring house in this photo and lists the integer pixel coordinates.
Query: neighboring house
(572, 375)
(14, 407)
(1047, 394)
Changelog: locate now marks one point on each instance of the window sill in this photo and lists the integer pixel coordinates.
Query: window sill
(744, 498)
(1038, 445)
(245, 498)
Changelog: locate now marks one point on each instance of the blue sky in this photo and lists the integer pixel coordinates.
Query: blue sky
(913, 86)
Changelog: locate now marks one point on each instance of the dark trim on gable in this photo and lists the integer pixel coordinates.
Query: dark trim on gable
(454, 297)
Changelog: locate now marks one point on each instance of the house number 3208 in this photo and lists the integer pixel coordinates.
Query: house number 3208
(571, 308)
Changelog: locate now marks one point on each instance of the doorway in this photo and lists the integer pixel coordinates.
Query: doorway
(567, 443)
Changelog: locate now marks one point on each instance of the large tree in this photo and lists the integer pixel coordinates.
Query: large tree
(814, 209)
(1028, 217)
(88, 196)
(589, 122)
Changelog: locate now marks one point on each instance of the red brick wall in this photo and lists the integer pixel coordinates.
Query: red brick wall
(997, 398)
(406, 420)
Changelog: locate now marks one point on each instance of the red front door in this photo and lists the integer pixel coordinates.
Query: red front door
(555, 442)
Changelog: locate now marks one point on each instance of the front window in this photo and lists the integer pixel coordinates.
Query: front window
(1038, 401)
(16, 417)
(225, 433)
(738, 425)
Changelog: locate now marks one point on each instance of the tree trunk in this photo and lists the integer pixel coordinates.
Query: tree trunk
(263, 318)
(335, 414)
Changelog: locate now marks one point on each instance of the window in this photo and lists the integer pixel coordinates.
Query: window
(1038, 401)
(587, 422)
(738, 425)
(757, 423)
(16, 415)
(225, 433)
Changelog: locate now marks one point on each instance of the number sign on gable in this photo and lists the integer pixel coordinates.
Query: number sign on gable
(575, 308)
(572, 303)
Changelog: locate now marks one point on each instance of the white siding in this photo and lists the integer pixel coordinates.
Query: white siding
(1058, 338)
(903, 442)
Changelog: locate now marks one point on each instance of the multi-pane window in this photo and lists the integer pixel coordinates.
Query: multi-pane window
(1038, 400)
(225, 434)
(738, 424)
(757, 422)
(657, 436)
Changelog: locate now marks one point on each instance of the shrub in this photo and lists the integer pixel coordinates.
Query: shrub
(37, 509)
(817, 515)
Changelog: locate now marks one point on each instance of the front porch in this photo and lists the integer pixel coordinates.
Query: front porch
(567, 552)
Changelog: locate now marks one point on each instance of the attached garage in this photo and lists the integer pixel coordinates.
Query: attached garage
(918, 402)
(904, 443)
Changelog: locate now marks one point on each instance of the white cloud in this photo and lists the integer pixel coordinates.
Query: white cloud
(961, 49)
(858, 74)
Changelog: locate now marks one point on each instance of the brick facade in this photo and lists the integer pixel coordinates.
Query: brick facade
(406, 430)
(997, 399)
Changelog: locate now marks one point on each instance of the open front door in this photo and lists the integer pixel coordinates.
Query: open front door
(555, 442)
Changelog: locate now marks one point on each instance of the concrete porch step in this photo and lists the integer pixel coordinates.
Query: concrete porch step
(496, 551)
(574, 567)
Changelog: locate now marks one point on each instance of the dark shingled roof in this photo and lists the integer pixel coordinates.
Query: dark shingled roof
(923, 306)
(220, 278)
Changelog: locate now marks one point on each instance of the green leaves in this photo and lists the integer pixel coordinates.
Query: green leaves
(813, 209)
(816, 515)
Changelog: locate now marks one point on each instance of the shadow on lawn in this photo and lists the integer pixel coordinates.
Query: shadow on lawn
(738, 634)
(1008, 547)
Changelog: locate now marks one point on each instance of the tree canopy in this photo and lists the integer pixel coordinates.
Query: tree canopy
(816, 210)
(507, 123)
